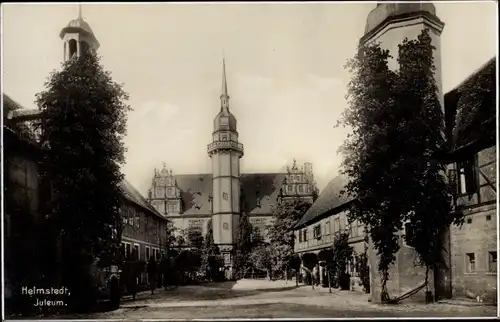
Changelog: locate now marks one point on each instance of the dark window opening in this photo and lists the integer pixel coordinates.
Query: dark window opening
(492, 262)
(469, 220)
(72, 48)
(488, 217)
(467, 176)
(409, 235)
(317, 232)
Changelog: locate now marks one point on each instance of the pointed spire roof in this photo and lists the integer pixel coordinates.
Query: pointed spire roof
(224, 78)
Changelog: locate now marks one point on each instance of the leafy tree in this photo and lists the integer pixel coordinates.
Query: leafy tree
(294, 263)
(342, 256)
(194, 238)
(243, 246)
(210, 254)
(84, 122)
(261, 259)
(397, 143)
(286, 215)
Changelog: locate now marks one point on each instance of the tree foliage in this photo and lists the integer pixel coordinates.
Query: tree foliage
(261, 258)
(243, 246)
(396, 143)
(84, 122)
(342, 253)
(194, 238)
(210, 255)
(286, 215)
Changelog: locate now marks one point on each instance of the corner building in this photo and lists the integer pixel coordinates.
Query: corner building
(191, 200)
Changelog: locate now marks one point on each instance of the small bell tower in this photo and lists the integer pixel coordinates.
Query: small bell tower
(78, 37)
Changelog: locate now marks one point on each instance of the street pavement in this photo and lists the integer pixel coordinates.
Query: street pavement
(278, 299)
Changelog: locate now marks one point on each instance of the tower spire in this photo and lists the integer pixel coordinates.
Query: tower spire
(79, 11)
(224, 97)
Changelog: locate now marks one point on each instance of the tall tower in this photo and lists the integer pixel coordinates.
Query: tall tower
(225, 152)
(78, 37)
(390, 23)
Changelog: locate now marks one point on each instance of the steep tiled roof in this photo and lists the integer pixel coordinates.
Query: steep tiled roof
(195, 191)
(197, 188)
(263, 188)
(135, 196)
(328, 200)
(471, 108)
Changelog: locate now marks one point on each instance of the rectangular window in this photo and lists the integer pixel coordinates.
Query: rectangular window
(470, 263)
(225, 196)
(492, 262)
(127, 250)
(148, 253)
(301, 188)
(317, 232)
(408, 235)
(137, 253)
(327, 228)
(467, 176)
(305, 234)
(336, 225)
(300, 236)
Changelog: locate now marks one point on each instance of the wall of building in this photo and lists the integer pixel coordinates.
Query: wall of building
(143, 229)
(329, 226)
(474, 244)
(404, 274)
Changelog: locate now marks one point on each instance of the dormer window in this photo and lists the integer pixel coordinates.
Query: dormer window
(223, 138)
(257, 202)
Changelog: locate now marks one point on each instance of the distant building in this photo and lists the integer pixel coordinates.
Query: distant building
(327, 217)
(190, 201)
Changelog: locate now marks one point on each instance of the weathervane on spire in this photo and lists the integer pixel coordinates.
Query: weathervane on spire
(79, 11)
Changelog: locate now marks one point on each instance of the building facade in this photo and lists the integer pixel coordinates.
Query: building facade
(470, 131)
(324, 219)
(472, 172)
(191, 200)
(144, 229)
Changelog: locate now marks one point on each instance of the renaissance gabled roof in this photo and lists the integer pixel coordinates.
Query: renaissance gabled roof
(328, 202)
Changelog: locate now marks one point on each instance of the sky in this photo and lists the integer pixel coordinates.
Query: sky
(285, 72)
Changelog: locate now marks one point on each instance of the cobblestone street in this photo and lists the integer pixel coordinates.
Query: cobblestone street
(263, 299)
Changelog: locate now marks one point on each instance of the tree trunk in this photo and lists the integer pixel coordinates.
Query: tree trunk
(297, 272)
(329, 281)
(286, 276)
(442, 280)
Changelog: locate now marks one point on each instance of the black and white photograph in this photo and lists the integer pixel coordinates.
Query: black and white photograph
(249, 160)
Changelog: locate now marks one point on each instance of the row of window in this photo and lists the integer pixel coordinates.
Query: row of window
(301, 188)
(355, 229)
(160, 192)
(470, 262)
(134, 252)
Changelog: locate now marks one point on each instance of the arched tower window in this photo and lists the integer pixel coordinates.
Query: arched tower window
(72, 47)
(84, 47)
